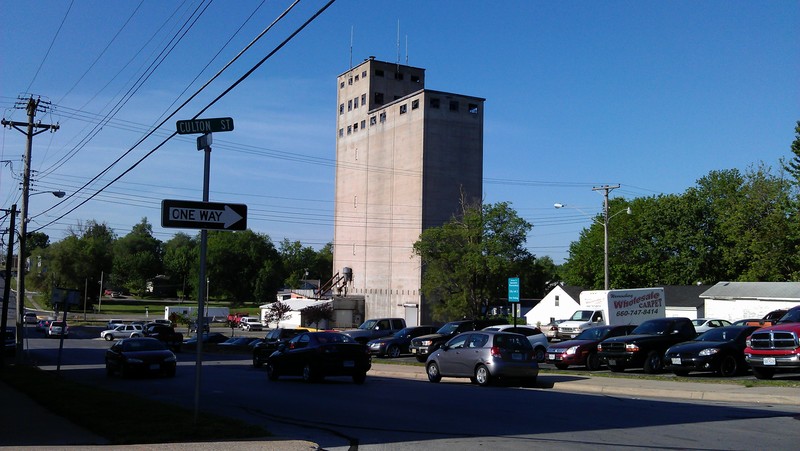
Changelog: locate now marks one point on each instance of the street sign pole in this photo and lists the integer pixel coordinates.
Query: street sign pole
(201, 292)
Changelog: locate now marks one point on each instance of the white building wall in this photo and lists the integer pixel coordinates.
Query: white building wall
(557, 304)
(736, 309)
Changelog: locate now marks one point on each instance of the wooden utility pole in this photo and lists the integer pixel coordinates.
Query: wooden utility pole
(31, 129)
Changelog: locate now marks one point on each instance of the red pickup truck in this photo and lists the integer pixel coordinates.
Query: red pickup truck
(234, 318)
(775, 347)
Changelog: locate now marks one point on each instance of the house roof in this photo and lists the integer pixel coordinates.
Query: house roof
(760, 291)
(573, 291)
(684, 295)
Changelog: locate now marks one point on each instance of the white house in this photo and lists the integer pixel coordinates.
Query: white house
(740, 300)
(560, 303)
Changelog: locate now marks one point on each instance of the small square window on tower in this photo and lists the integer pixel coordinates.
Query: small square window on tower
(472, 108)
(415, 104)
(373, 120)
(435, 103)
(454, 105)
(403, 108)
(383, 116)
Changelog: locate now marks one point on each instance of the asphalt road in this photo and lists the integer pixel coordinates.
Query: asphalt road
(396, 413)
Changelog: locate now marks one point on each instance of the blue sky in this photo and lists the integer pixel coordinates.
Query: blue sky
(648, 95)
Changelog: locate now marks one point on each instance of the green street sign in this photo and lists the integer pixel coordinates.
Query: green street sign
(193, 126)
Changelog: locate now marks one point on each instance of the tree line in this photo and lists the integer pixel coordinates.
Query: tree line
(241, 267)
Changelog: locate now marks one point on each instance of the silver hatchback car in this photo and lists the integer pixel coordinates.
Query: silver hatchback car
(484, 356)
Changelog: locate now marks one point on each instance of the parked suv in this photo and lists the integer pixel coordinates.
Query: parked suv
(424, 346)
(646, 345)
(272, 340)
(376, 328)
(774, 347)
(251, 323)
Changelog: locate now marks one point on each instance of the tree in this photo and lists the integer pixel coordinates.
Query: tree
(793, 166)
(240, 262)
(315, 314)
(467, 261)
(181, 260)
(276, 312)
(138, 258)
(297, 260)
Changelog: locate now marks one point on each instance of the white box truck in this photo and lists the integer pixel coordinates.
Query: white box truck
(216, 314)
(612, 308)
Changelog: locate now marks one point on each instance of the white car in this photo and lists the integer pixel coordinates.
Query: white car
(30, 318)
(537, 338)
(248, 323)
(705, 324)
(122, 331)
(58, 328)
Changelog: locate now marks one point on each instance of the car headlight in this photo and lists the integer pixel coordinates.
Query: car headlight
(572, 350)
(631, 347)
(426, 342)
(709, 351)
(747, 342)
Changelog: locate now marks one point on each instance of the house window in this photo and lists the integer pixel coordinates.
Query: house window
(355, 127)
(435, 103)
(383, 116)
(379, 98)
(403, 108)
(356, 77)
(414, 79)
(341, 108)
(373, 120)
(349, 105)
(363, 124)
(415, 104)
(341, 132)
(472, 108)
(341, 85)
(355, 204)
(355, 102)
(556, 300)
(454, 105)
(364, 74)
(363, 99)
(349, 129)
(350, 81)
(379, 72)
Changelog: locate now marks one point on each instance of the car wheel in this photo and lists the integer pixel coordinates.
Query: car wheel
(256, 362)
(616, 368)
(680, 373)
(562, 366)
(421, 358)
(652, 363)
(728, 367)
(483, 376)
(592, 361)
(433, 372)
(308, 373)
(539, 354)
(763, 373)
(109, 337)
(359, 378)
(272, 372)
(393, 351)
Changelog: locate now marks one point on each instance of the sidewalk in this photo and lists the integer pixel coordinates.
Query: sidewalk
(24, 423)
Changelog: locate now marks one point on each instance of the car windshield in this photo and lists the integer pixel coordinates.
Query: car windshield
(143, 345)
(652, 328)
(718, 334)
(368, 325)
(792, 316)
(581, 315)
(448, 329)
(595, 333)
(402, 333)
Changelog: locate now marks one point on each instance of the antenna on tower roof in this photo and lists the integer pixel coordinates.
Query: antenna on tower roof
(351, 46)
(406, 50)
(398, 43)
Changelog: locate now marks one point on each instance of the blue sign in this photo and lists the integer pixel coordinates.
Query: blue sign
(513, 289)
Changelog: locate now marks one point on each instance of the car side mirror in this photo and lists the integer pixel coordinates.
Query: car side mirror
(444, 348)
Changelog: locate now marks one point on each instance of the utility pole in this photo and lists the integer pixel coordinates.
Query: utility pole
(31, 129)
(7, 276)
(606, 189)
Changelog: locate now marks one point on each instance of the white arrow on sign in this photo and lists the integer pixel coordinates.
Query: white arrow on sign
(227, 216)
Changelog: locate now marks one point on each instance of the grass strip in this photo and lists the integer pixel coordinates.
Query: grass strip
(144, 420)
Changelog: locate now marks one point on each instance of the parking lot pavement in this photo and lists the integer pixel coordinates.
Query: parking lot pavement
(629, 386)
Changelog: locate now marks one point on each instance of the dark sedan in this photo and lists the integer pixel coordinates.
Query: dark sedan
(208, 338)
(582, 350)
(720, 350)
(315, 355)
(140, 356)
(398, 343)
(270, 343)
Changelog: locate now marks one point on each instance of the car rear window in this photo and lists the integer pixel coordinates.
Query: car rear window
(512, 341)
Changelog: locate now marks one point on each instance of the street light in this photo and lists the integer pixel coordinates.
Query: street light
(606, 218)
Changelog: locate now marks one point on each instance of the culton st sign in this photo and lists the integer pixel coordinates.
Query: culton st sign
(219, 124)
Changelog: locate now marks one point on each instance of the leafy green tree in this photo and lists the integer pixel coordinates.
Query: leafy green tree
(322, 268)
(277, 312)
(181, 261)
(138, 258)
(297, 260)
(793, 166)
(239, 262)
(467, 261)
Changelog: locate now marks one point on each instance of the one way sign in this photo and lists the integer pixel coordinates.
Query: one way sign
(186, 214)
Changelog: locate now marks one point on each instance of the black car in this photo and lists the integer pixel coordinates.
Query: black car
(398, 343)
(645, 346)
(208, 338)
(720, 350)
(270, 343)
(424, 346)
(315, 355)
(141, 355)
